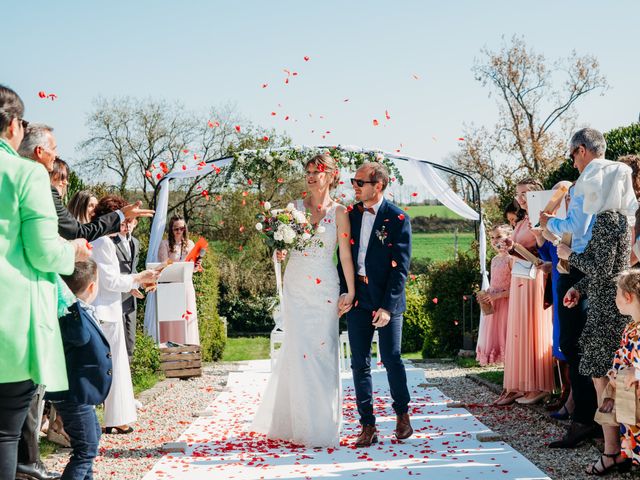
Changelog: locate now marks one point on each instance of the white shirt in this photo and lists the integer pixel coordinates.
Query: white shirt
(124, 240)
(368, 219)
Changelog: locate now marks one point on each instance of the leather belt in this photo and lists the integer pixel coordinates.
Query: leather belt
(363, 278)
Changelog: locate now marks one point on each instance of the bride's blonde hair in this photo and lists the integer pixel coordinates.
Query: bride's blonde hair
(329, 166)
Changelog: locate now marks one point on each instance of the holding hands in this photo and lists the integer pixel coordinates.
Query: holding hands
(345, 303)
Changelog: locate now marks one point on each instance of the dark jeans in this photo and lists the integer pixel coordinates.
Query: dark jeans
(360, 335)
(15, 398)
(28, 448)
(572, 322)
(81, 423)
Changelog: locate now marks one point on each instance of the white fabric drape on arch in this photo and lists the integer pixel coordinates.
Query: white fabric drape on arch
(158, 226)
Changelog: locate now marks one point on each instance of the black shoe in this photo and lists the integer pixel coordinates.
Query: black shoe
(576, 434)
(35, 471)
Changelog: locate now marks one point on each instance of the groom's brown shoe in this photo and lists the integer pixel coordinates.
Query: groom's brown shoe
(403, 427)
(367, 437)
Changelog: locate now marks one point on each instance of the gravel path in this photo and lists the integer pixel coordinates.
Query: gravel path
(168, 410)
(170, 407)
(528, 429)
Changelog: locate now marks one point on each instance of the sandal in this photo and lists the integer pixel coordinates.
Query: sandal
(598, 469)
(118, 430)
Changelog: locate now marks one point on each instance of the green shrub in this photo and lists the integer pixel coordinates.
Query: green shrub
(417, 323)
(449, 282)
(146, 357)
(212, 334)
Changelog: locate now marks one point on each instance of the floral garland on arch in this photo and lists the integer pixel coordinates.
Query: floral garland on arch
(283, 162)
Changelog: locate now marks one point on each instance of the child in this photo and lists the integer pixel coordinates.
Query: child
(493, 328)
(626, 362)
(88, 359)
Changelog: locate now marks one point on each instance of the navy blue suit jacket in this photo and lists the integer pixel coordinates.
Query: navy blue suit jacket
(387, 261)
(88, 356)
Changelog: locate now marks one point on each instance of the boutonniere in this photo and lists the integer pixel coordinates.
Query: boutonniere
(382, 234)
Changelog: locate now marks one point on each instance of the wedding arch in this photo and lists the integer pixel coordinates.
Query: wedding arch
(422, 171)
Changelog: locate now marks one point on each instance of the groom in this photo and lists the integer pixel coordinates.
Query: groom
(381, 250)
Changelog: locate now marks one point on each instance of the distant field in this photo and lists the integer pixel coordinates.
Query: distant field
(427, 210)
(439, 246)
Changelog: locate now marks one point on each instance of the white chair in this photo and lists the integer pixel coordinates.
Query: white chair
(345, 352)
(275, 339)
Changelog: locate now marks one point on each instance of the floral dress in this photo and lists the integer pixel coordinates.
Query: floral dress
(606, 255)
(628, 356)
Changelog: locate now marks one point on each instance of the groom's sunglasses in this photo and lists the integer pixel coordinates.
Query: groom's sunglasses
(361, 183)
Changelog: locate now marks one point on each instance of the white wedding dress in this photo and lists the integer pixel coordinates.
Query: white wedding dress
(302, 402)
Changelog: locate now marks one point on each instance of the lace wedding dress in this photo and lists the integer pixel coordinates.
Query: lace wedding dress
(302, 402)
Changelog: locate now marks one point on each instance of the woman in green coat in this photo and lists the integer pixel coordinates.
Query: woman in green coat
(31, 253)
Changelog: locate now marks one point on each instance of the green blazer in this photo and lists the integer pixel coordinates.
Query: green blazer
(31, 253)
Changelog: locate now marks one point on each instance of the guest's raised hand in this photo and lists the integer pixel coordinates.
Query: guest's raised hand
(147, 276)
(607, 405)
(133, 210)
(563, 251)
(544, 218)
(571, 298)
(82, 249)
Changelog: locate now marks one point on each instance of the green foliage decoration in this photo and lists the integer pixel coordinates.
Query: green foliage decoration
(212, 333)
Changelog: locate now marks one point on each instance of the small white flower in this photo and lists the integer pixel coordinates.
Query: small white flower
(259, 227)
(299, 217)
(278, 236)
(320, 229)
(241, 159)
(267, 206)
(290, 207)
(379, 157)
(306, 236)
(268, 158)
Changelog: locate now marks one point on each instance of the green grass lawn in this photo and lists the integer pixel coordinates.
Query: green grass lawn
(439, 246)
(246, 348)
(428, 210)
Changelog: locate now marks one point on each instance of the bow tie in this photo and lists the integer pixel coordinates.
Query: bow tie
(362, 209)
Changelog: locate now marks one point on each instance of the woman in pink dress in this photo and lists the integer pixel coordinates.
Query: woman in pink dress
(528, 364)
(493, 328)
(176, 247)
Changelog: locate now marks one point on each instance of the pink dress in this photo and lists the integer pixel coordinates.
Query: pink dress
(175, 331)
(493, 328)
(528, 362)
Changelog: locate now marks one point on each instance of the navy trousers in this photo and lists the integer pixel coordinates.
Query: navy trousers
(81, 423)
(390, 336)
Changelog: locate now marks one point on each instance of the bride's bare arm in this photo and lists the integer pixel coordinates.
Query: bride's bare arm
(344, 249)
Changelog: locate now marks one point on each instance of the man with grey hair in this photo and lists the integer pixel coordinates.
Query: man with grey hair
(586, 145)
(39, 144)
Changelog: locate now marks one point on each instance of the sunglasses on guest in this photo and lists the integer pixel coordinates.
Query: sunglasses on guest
(180, 229)
(361, 183)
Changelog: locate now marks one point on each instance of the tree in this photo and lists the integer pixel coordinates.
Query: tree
(536, 112)
(623, 141)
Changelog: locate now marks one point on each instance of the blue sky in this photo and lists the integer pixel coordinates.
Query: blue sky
(205, 53)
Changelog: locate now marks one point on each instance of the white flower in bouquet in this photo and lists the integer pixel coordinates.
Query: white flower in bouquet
(267, 205)
(299, 217)
(320, 229)
(290, 207)
(306, 236)
(288, 235)
(259, 227)
(278, 236)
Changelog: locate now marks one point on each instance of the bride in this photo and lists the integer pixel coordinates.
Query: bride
(302, 402)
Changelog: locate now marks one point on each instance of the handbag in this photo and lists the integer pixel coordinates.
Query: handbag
(524, 269)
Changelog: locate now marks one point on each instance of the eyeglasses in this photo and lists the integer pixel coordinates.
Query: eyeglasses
(573, 152)
(24, 123)
(180, 229)
(360, 183)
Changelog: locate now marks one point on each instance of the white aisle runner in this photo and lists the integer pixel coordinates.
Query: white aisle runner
(443, 446)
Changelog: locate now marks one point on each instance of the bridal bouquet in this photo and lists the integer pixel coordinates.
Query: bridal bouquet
(288, 228)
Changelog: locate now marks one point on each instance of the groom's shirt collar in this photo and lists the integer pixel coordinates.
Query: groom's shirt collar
(376, 207)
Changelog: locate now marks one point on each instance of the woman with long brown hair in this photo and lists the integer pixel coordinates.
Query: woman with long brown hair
(176, 247)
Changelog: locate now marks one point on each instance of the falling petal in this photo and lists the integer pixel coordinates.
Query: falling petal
(375, 122)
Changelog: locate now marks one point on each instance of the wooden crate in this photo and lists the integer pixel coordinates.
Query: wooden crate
(181, 362)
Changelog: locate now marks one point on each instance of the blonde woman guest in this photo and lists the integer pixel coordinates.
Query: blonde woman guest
(82, 206)
(528, 364)
(119, 407)
(176, 247)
